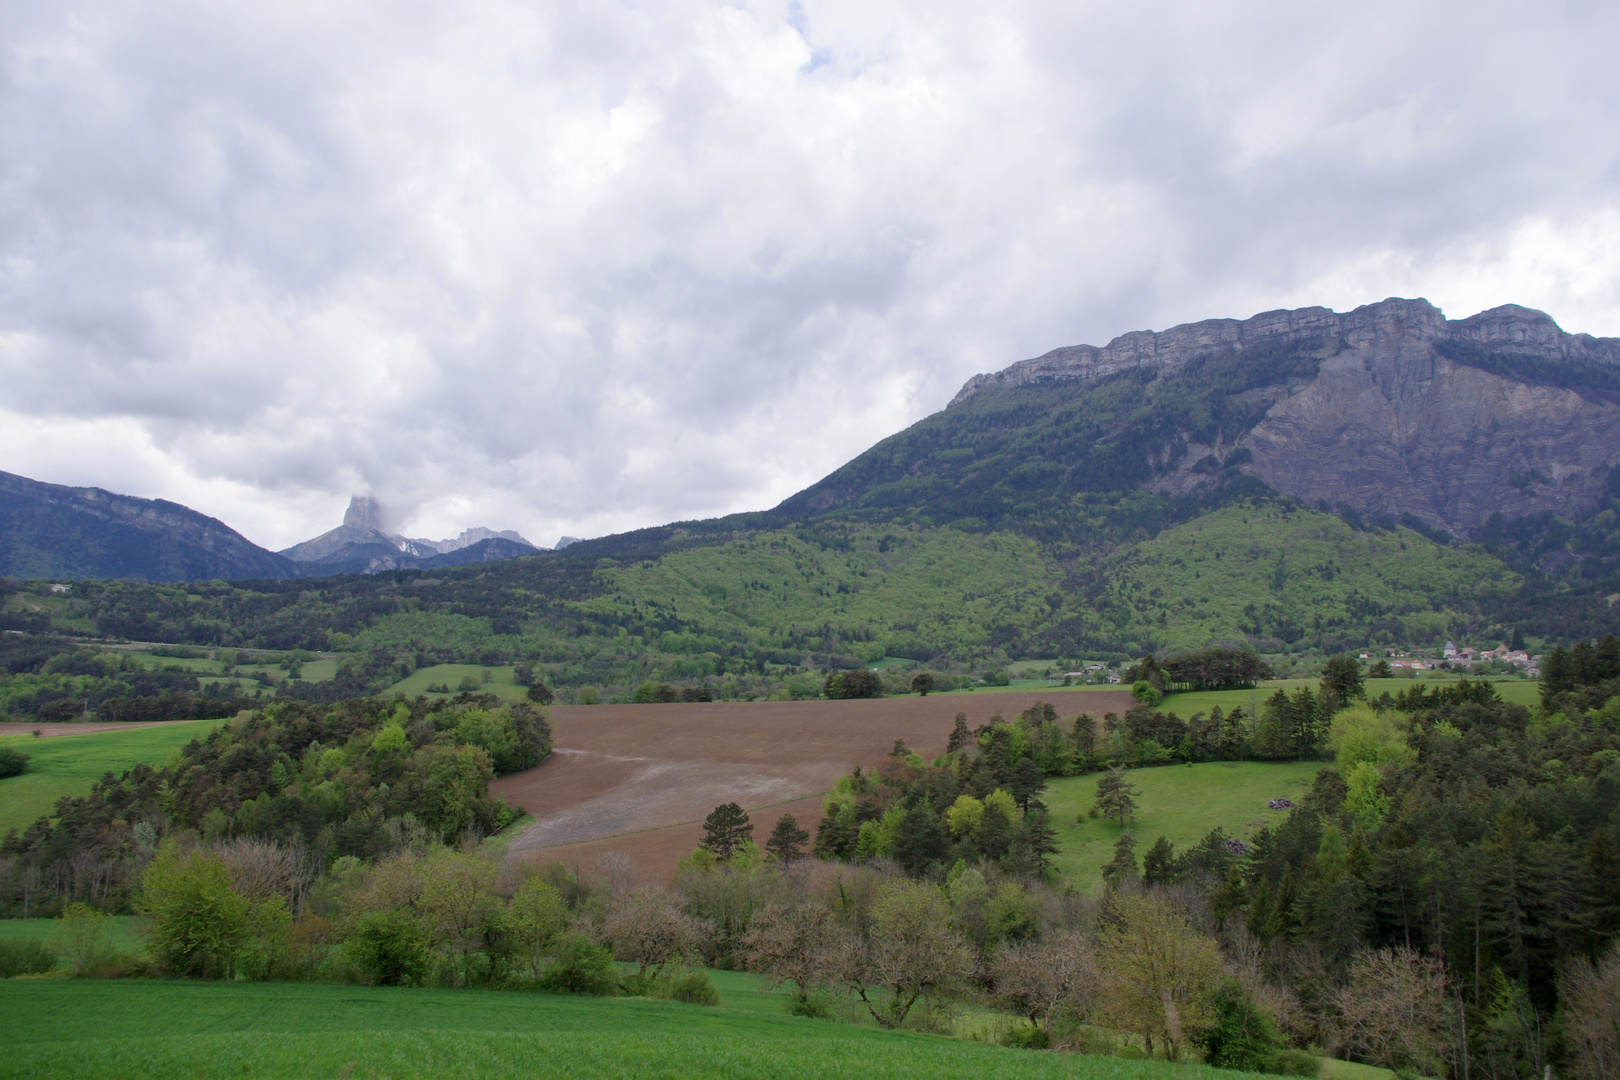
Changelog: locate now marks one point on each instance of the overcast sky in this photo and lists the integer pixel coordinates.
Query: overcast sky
(582, 267)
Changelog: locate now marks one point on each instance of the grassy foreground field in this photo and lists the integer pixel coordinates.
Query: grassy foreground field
(124, 933)
(84, 1028)
(70, 764)
(1182, 802)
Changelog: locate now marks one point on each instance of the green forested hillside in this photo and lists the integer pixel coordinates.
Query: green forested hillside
(1279, 576)
(836, 593)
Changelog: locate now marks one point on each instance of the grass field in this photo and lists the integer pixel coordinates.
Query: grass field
(1182, 802)
(70, 764)
(83, 1028)
(500, 684)
(125, 933)
(1519, 691)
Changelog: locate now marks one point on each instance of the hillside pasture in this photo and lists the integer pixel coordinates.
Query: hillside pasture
(138, 1028)
(69, 764)
(1181, 802)
(500, 681)
(637, 780)
(1187, 704)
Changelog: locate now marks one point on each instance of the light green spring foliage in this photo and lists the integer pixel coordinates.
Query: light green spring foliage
(199, 924)
(964, 816)
(1366, 800)
(1360, 733)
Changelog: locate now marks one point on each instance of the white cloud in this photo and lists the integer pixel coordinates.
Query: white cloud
(583, 268)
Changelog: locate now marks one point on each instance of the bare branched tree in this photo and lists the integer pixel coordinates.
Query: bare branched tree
(1393, 1010)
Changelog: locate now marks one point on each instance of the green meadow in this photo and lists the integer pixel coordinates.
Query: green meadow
(138, 1028)
(71, 764)
(124, 933)
(500, 681)
(1181, 802)
(1186, 705)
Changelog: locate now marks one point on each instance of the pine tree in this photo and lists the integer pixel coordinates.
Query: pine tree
(919, 841)
(1027, 782)
(725, 828)
(1159, 864)
(787, 840)
(1040, 839)
(1122, 870)
(1116, 795)
(1557, 675)
(995, 833)
(961, 736)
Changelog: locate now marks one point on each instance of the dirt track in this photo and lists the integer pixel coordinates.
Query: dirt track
(638, 779)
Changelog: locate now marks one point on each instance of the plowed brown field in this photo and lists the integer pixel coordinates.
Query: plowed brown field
(637, 780)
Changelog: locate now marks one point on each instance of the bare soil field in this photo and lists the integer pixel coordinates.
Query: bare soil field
(637, 780)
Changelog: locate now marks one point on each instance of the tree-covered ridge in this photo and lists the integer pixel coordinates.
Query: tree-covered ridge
(836, 594)
(1277, 576)
(357, 778)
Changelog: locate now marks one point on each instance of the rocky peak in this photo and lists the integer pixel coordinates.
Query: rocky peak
(1518, 329)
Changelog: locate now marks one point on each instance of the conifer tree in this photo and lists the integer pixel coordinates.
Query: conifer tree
(1122, 869)
(787, 840)
(1027, 781)
(725, 827)
(1040, 839)
(1116, 795)
(1159, 864)
(961, 735)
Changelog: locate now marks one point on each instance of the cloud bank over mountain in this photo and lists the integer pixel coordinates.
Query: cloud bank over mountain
(569, 270)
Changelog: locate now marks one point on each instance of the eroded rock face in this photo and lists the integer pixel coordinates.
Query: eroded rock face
(1409, 412)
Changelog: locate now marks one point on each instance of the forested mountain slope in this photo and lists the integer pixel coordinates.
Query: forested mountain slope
(52, 531)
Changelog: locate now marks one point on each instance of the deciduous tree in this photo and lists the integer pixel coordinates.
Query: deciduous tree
(1157, 971)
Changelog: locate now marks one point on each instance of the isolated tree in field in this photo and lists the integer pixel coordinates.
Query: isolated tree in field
(1157, 971)
(1393, 1010)
(793, 942)
(922, 683)
(1116, 795)
(911, 952)
(1122, 870)
(787, 840)
(725, 827)
(1056, 974)
(457, 902)
(199, 923)
(1341, 677)
(535, 920)
(961, 735)
(1159, 864)
(1026, 782)
(648, 929)
(1379, 670)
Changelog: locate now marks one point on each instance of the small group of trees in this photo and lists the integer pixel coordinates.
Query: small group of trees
(857, 683)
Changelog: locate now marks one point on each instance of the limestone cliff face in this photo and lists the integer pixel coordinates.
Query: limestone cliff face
(1451, 421)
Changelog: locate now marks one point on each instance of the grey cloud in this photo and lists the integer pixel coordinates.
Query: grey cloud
(599, 266)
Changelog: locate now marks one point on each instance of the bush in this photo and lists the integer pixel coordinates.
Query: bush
(812, 1005)
(1025, 1035)
(687, 985)
(25, 958)
(391, 948)
(1294, 1063)
(1240, 1035)
(12, 762)
(580, 967)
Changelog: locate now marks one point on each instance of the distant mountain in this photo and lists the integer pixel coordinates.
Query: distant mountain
(53, 531)
(360, 546)
(1500, 428)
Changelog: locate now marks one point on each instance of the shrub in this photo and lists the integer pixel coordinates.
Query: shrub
(25, 958)
(1294, 1063)
(1024, 1035)
(690, 986)
(814, 1006)
(391, 948)
(1240, 1035)
(12, 762)
(580, 967)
